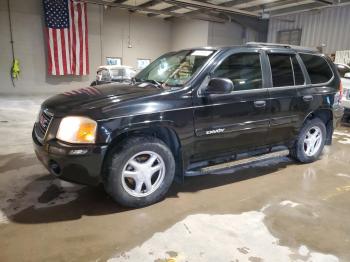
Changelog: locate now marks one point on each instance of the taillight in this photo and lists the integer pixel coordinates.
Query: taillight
(339, 94)
(341, 89)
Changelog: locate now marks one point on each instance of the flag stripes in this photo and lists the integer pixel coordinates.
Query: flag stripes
(67, 37)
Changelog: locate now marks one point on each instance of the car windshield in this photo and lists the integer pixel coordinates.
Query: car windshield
(174, 69)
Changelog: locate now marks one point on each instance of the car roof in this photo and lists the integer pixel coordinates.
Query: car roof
(260, 45)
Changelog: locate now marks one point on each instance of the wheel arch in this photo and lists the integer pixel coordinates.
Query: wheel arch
(165, 133)
(326, 115)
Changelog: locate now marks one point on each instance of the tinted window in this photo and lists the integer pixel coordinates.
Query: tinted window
(298, 74)
(317, 67)
(243, 69)
(282, 71)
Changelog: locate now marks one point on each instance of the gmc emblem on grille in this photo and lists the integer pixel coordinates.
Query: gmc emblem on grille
(43, 121)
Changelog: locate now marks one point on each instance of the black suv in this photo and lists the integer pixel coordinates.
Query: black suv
(188, 108)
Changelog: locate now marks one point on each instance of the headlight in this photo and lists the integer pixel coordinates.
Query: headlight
(76, 129)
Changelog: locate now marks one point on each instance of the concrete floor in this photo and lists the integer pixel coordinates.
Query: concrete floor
(276, 210)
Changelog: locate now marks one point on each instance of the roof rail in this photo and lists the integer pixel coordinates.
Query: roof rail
(281, 45)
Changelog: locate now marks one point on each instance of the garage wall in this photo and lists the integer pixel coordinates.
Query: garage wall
(329, 26)
(230, 34)
(30, 50)
(189, 33)
(108, 36)
(194, 33)
(150, 38)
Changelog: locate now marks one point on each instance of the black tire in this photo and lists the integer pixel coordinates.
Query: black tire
(94, 83)
(297, 151)
(119, 157)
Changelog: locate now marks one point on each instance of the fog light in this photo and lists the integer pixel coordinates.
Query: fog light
(54, 167)
(78, 152)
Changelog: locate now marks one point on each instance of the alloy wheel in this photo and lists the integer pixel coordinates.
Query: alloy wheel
(312, 141)
(143, 173)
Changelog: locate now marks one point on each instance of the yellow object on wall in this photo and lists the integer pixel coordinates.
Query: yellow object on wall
(15, 70)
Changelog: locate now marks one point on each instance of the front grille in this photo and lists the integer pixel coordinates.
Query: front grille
(43, 124)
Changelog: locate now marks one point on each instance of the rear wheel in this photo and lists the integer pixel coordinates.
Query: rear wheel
(310, 142)
(140, 172)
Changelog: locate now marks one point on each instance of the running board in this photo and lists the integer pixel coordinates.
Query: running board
(235, 163)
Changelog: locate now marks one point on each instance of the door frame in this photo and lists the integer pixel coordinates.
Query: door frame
(198, 96)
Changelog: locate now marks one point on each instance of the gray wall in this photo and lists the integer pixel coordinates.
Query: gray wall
(150, 37)
(330, 26)
(108, 36)
(189, 33)
(30, 49)
(230, 34)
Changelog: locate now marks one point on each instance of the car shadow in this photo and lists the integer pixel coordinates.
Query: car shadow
(54, 203)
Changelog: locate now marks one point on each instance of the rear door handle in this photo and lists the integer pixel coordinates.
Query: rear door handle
(308, 98)
(260, 103)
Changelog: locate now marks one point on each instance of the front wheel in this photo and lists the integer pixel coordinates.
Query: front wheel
(310, 142)
(140, 172)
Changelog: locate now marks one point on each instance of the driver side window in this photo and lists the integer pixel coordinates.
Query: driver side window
(243, 69)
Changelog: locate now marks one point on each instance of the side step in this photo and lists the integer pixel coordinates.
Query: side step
(235, 163)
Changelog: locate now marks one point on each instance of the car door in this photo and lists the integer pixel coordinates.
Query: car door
(239, 120)
(286, 78)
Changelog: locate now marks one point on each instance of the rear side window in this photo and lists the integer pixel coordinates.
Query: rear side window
(282, 71)
(285, 70)
(317, 67)
(243, 69)
(298, 74)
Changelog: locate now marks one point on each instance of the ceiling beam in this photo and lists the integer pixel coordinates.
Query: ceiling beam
(168, 9)
(279, 5)
(149, 10)
(325, 2)
(306, 8)
(150, 3)
(119, 1)
(228, 3)
(296, 9)
(247, 4)
(203, 5)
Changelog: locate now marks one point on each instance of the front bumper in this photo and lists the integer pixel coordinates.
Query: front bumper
(74, 163)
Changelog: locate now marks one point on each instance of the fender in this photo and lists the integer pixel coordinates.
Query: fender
(162, 129)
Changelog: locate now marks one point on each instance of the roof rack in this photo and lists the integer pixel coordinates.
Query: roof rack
(281, 45)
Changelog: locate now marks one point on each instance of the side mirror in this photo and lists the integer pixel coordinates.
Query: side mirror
(219, 86)
(347, 75)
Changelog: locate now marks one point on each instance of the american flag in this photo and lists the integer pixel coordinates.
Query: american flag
(67, 37)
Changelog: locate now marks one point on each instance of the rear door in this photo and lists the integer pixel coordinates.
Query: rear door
(286, 78)
(321, 87)
(236, 121)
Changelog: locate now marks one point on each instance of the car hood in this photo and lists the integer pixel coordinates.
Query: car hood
(86, 100)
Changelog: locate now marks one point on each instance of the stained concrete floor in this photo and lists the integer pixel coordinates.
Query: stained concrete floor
(275, 210)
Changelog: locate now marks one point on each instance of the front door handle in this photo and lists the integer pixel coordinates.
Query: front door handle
(308, 98)
(260, 103)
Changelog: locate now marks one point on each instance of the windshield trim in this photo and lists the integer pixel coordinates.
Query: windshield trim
(189, 50)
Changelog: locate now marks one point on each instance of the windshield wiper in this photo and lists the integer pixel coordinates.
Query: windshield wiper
(153, 82)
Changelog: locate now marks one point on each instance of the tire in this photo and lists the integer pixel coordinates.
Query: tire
(130, 164)
(94, 83)
(302, 149)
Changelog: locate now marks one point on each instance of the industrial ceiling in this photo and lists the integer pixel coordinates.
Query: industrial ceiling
(219, 10)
